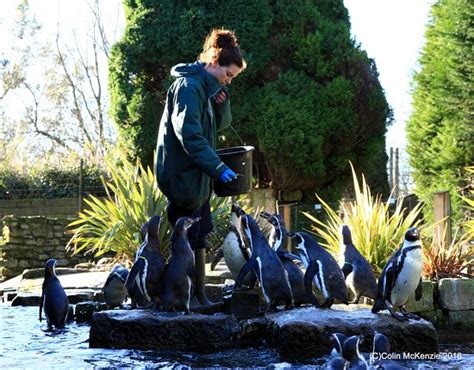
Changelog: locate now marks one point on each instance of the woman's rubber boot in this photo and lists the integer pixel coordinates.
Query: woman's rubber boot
(200, 289)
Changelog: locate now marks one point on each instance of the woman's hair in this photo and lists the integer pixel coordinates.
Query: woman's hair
(222, 46)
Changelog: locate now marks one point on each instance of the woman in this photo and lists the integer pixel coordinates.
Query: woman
(197, 106)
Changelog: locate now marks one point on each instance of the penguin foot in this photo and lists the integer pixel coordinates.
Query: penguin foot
(327, 303)
(398, 316)
(408, 315)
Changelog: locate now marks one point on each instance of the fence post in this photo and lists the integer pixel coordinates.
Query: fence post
(81, 169)
(442, 216)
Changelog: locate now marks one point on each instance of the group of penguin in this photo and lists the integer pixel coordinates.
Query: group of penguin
(282, 281)
(346, 353)
(168, 286)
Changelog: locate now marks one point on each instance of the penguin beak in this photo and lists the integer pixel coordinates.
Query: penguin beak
(265, 215)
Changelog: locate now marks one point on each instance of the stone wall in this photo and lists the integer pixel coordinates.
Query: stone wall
(57, 207)
(27, 242)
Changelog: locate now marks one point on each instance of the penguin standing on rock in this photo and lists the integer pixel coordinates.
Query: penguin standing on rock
(359, 276)
(53, 298)
(401, 277)
(278, 240)
(144, 280)
(321, 266)
(180, 275)
(265, 262)
(114, 287)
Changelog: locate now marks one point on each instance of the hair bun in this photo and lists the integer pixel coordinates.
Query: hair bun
(226, 40)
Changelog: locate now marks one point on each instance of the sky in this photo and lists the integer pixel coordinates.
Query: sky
(390, 31)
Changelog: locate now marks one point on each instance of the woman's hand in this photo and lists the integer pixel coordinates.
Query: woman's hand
(220, 97)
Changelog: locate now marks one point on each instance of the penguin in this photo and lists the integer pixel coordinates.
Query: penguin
(265, 262)
(53, 299)
(322, 267)
(144, 280)
(278, 240)
(358, 274)
(233, 250)
(351, 352)
(401, 277)
(114, 287)
(338, 340)
(336, 363)
(381, 347)
(180, 275)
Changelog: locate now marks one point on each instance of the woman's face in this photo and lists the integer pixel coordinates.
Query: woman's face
(223, 74)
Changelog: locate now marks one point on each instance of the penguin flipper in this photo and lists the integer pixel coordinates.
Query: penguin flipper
(219, 255)
(418, 291)
(137, 267)
(289, 255)
(312, 270)
(347, 269)
(41, 305)
(250, 265)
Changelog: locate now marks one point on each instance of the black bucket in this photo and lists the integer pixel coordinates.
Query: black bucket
(239, 160)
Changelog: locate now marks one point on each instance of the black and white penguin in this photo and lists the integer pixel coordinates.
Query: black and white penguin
(180, 275)
(144, 280)
(338, 340)
(359, 276)
(321, 266)
(336, 363)
(351, 352)
(53, 299)
(265, 262)
(114, 287)
(278, 240)
(401, 277)
(381, 350)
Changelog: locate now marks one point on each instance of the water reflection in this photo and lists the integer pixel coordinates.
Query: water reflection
(27, 343)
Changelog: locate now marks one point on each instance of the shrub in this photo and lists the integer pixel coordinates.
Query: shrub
(376, 230)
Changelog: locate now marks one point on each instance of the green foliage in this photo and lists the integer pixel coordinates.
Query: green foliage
(440, 129)
(309, 101)
(376, 229)
(49, 182)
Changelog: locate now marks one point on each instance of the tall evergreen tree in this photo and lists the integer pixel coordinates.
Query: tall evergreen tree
(441, 127)
(310, 99)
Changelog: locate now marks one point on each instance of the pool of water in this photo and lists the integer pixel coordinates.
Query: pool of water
(26, 343)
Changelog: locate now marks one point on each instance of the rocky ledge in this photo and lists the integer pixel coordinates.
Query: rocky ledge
(296, 334)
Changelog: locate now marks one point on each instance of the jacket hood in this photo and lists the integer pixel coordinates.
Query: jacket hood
(196, 70)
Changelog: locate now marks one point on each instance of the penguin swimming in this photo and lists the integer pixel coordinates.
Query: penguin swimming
(53, 298)
(401, 277)
(381, 349)
(338, 340)
(358, 274)
(351, 352)
(265, 262)
(114, 287)
(278, 240)
(321, 266)
(336, 363)
(144, 280)
(179, 276)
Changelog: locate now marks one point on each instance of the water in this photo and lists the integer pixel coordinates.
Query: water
(26, 343)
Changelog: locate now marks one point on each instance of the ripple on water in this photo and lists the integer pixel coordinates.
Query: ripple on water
(26, 343)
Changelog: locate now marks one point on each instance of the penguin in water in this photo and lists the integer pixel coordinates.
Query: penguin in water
(278, 240)
(53, 298)
(351, 352)
(265, 262)
(233, 250)
(359, 276)
(179, 276)
(338, 340)
(144, 280)
(380, 349)
(114, 287)
(321, 266)
(401, 277)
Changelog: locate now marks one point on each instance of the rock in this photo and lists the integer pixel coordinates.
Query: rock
(85, 310)
(456, 294)
(39, 272)
(461, 320)
(244, 304)
(303, 333)
(437, 317)
(214, 292)
(26, 299)
(148, 329)
(426, 303)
